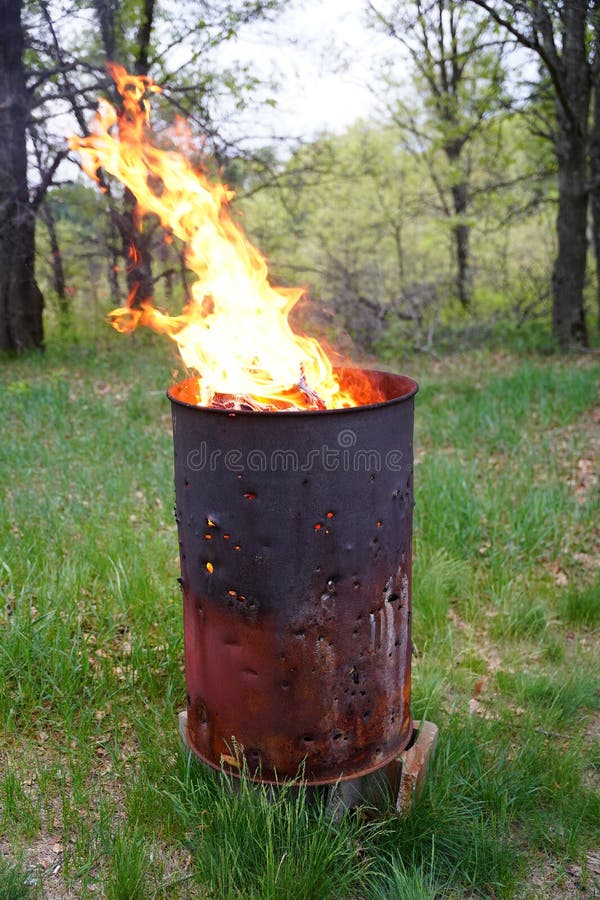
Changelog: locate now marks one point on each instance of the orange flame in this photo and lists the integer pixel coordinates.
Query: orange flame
(234, 332)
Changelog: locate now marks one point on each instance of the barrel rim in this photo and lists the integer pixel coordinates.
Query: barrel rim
(411, 385)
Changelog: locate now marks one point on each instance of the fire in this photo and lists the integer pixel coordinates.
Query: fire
(234, 334)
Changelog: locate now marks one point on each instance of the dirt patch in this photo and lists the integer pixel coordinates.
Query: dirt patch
(577, 881)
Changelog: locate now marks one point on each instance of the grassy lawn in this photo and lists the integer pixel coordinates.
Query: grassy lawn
(96, 798)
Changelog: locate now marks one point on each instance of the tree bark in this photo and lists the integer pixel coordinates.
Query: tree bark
(568, 276)
(595, 156)
(58, 271)
(136, 242)
(595, 207)
(113, 259)
(462, 234)
(136, 250)
(139, 268)
(21, 302)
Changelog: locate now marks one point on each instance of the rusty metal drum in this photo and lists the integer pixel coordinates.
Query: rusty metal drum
(295, 544)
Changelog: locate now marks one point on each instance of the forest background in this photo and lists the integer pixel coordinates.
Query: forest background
(464, 205)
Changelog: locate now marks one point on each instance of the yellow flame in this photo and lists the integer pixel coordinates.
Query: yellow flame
(234, 333)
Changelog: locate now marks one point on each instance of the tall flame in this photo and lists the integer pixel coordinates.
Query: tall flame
(234, 332)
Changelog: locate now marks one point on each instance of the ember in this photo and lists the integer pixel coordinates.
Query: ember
(301, 395)
(234, 333)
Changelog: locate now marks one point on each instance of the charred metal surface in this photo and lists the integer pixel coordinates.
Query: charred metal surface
(295, 546)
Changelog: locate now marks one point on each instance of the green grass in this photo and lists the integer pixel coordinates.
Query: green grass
(254, 842)
(15, 882)
(129, 865)
(581, 604)
(506, 631)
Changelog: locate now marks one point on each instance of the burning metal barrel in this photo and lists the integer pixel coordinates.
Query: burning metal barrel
(295, 545)
(294, 523)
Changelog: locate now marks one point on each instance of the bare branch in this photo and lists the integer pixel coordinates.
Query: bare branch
(547, 51)
(47, 180)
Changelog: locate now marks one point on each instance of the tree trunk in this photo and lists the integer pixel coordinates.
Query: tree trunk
(58, 271)
(21, 302)
(595, 205)
(139, 243)
(572, 138)
(461, 233)
(136, 242)
(595, 166)
(137, 252)
(568, 276)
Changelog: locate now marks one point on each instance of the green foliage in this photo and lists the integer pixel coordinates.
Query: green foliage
(179, 46)
(345, 219)
(356, 218)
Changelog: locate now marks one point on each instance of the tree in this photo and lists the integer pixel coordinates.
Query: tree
(21, 302)
(136, 242)
(459, 76)
(49, 71)
(595, 152)
(350, 215)
(559, 34)
(134, 35)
